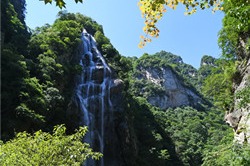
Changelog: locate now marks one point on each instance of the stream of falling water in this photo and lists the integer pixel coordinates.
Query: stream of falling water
(93, 92)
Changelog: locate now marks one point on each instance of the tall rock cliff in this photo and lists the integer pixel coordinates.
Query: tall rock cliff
(163, 86)
(242, 132)
(239, 118)
(174, 93)
(235, 43)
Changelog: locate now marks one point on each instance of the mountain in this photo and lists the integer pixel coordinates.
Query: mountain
(152, 110)
(173, 115)
(165, 81)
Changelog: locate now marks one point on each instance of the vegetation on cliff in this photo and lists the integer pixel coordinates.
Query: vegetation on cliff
(39, 66)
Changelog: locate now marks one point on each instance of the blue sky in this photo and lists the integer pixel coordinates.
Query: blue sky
(190, 37)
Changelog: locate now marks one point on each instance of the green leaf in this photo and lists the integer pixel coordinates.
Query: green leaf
(78, 1)
(47, 1)
(60, 3)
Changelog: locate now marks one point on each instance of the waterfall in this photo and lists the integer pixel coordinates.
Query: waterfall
(93, 94)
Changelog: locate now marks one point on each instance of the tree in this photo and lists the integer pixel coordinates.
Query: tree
(234, 35)
(60, 3)
(14, 31)
(218, 86)
(152, 12)
(43, 148)
(14, 39)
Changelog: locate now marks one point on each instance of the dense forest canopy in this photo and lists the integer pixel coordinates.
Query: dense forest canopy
(38, 70)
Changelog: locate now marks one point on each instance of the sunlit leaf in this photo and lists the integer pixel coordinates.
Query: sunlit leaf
(152, 11)
(60, 3)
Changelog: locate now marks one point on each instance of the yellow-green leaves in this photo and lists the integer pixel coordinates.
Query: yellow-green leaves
(43, 148)
(60, 3)
(153, 10)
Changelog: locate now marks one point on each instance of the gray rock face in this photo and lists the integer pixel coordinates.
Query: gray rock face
(239, 118)
(175, 92)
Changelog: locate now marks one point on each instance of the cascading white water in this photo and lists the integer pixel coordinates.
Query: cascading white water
(93, 93)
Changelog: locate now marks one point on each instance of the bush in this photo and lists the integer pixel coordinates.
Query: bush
(43, 148)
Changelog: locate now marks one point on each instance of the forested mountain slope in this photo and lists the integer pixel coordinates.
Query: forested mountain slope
(164, 80)
(158, 111)
(177, 119)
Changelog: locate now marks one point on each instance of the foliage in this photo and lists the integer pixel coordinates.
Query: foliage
(108, 51)
(228, 153)
(154, 145)
(14, 31)
(54, 50)
(14, 39)
(32, 108)
(188, 132)
(37, 88)
(145, 88)
(111, 55)
(243, 96)
(234, 36)
(207, 60)
(181, 133)
(191, 130)
(13, 66)
(86, 22)
(218, 86)
(153, 11)
(60, 3)
(159, 61)
(43, 148)
(208, 63)
(235, 21)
